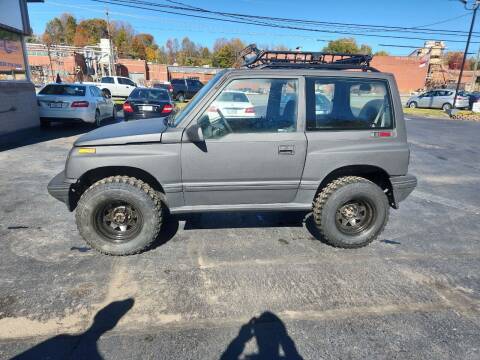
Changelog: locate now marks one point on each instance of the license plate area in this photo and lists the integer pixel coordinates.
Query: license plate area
(146, 108)
(55, 105)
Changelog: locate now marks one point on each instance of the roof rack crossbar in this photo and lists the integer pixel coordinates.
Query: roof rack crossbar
(256, 58)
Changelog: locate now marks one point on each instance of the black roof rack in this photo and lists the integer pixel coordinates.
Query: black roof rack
(254, 58)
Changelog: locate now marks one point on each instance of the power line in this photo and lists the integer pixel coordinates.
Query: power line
(134, 4)
(381, 28)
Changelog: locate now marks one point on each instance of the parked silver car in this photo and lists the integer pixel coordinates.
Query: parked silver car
(438, 99)
(73, 102)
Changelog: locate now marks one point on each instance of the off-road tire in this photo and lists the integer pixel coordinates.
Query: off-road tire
(413, 105)
(339, 192)
(131, 190)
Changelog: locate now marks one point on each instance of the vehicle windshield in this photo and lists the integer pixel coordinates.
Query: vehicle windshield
(180, 115)
(67, 90)
(150, 94)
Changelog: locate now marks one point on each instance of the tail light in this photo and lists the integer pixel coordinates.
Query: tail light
(250, 110)
(127, 107)
(167, 109)
(170, 88)
(79, 104)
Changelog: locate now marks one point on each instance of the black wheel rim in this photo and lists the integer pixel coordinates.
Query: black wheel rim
(118, 221)
(355, 216)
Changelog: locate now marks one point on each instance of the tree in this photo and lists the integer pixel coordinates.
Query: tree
(89, 32)
(347, 46)
(454, 60)
(54, 32)
(122, 35)
(225, 52)
(69, 24)
(381, 53)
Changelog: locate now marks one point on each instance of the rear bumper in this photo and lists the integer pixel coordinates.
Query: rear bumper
(59, 188)
(137, 116)
(402, 186)
(80, 114)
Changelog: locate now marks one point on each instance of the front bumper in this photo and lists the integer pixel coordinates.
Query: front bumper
(402, 186)
(59, 187)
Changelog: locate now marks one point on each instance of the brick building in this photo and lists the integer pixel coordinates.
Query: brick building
(409, 73)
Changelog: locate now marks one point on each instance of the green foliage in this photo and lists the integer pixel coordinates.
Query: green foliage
(381, 53)
(347, 46)
(225, 52)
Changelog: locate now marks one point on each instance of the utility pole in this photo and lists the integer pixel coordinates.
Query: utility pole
(474, 77)
(475, 7)
(111, 60)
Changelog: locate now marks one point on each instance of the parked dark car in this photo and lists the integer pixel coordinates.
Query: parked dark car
(164, 85)
(184, 89)
(146, 103)
(473, 97)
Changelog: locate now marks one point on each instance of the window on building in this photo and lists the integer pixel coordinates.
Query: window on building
(12, 59)
(348, 104)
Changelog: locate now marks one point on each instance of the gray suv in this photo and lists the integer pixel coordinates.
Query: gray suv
(345, 158)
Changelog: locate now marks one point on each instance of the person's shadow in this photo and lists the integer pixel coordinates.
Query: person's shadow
(270, 334)
(84, 345)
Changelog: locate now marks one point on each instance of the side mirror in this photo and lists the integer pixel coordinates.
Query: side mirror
(195, 133)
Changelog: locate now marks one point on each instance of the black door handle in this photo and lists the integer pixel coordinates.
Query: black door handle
(286, 150)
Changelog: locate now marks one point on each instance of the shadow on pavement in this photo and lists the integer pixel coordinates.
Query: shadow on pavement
(230, 220)
(271, 336)
(84, 345)
(233, 220)
(37, 135)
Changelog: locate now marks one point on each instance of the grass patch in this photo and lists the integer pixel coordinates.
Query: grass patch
(180, 105)
(437, 113)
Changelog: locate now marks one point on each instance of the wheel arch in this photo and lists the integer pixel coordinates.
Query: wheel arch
(93, 175)
(373, 173)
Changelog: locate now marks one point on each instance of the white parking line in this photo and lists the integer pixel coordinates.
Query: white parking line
(408, 119)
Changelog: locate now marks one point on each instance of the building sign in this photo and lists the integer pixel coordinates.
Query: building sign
(12, 61)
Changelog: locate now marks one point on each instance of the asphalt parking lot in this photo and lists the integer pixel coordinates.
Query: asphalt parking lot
(255, 284)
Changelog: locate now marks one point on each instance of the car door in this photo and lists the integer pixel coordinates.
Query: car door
(438, 99)
(246, 160)
(126, 86)
(425, 99)
(99, 100)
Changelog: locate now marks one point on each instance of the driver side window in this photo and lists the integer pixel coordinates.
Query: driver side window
(252, 106)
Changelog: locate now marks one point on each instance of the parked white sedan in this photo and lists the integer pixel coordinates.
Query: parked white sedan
(232, 104)
(73, 102)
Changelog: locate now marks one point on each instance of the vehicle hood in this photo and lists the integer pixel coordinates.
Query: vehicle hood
(140, 131)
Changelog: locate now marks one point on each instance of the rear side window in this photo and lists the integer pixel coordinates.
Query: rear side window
(108, 80)
(95, 91)
(67, 90)
(125, 81)
(177, 81)
(348, 104)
